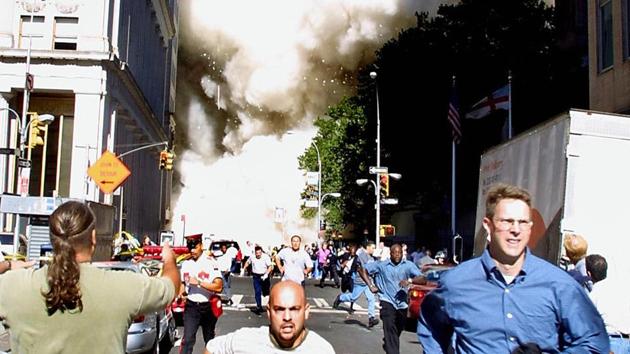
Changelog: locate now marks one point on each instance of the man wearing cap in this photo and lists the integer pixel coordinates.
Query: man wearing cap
(202, 280)
(296, 263)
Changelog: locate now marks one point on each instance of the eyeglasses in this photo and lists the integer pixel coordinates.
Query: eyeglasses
(506, 224)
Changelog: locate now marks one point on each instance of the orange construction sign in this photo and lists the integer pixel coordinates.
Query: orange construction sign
(108, 172)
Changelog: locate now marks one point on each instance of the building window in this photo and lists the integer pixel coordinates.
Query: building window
(32, 29)
(605, 35)
(65, 33)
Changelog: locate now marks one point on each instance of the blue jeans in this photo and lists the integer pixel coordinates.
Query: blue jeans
(619, 345)
(316, 271)
(261, 288)
(356, 293)
(227, 284)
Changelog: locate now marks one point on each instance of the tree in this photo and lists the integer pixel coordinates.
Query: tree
(341, 142)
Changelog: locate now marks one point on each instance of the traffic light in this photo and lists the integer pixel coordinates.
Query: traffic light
(384, 181)
(163, 158)
(36, 127)
(169, 161)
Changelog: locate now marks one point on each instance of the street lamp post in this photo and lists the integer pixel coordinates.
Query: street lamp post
(377, 185)
(23, 126)
(319, 190)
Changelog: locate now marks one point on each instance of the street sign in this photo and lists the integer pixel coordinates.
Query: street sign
(108, 172)
(24, 163)
(9, 151)
(311, 203)
(14, 204)
(377, 170)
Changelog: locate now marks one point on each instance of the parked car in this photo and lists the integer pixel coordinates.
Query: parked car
(152, 332)
(417, 293)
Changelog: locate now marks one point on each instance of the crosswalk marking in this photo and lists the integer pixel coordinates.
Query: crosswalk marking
(320, 302)
(236, 299)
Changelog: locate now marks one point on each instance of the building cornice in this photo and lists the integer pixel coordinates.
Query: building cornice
(54, 54)
(164, 19)
(120, 68)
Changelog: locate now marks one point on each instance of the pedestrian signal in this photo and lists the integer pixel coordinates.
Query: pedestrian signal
(387, 230)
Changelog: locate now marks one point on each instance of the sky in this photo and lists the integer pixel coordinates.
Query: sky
(252, 77)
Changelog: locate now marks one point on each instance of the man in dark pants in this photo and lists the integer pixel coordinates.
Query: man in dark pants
(330, 268)
(261, 269)
(392, 278)
(202, 280)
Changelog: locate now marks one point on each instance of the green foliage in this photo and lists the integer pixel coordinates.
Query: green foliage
(342, 145)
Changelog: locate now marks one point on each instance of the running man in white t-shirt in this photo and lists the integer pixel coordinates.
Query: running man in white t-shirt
(261, 269)
(287, 333)
(296, 263)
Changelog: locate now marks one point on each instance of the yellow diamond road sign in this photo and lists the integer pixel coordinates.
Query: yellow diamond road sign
(108, 172)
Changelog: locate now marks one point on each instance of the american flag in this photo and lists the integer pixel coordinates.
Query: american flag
(453, 116)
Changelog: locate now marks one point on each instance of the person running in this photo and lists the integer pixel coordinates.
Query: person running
(261, 269)
(288, 311)
(330, 268)
(508, 296)
(202, 280)
(364, 256)
(392, 278)
(293, 262)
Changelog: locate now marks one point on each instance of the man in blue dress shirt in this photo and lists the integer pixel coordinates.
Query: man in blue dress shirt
(508, 297)
(392, 278)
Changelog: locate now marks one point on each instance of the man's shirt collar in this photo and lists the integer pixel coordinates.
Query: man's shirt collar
(490, 266)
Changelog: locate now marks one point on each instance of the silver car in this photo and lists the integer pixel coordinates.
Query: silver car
(148, 333)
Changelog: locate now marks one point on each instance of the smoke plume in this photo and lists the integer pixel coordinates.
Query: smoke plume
(249, 71)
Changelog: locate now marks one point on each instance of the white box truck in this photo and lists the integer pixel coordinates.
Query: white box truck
(577, 169)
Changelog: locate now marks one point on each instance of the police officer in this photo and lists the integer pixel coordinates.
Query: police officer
(202, 280)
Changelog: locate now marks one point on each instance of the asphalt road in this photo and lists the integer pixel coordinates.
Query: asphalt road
(348, 333)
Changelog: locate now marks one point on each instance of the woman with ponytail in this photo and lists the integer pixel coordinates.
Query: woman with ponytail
(71, 306)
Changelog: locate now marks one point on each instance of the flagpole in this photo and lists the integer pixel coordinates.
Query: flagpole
(509, 105)
(453, 179)
(453, 188)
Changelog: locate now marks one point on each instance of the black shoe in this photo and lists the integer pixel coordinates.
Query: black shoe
(258, 310)
(372, 322)
(336, 302)
(230, 302)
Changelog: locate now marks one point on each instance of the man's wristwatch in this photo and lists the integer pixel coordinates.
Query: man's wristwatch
(410, 280)
(8, 265)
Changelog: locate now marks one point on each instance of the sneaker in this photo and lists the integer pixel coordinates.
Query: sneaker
(336, 302)
(372, 322)
(230, 302)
